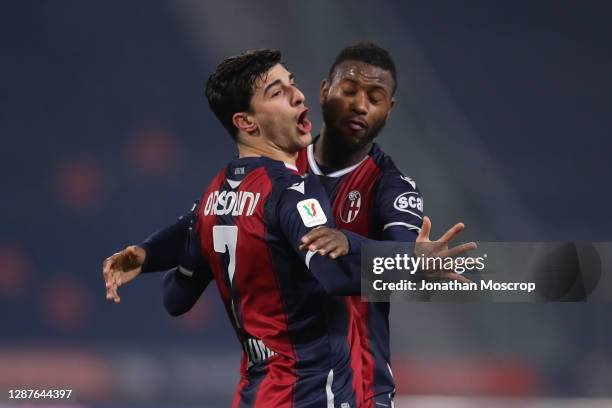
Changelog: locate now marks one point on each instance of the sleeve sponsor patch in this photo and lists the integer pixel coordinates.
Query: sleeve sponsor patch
(409, 201)
(311, 212)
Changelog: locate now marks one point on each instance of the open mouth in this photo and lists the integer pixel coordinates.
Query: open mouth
(303, 123)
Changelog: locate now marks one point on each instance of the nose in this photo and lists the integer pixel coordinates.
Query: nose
(298, 97)
(359, 103)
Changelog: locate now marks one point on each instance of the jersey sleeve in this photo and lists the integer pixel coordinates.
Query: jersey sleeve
(398, 206)
(181, 291)
(301, 208)
(184, 285)
(166, 246)
(177, 247)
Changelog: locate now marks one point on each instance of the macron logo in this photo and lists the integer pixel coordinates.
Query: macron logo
(299, 187)
(409, 181)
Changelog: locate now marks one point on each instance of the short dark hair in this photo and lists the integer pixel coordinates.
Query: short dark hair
(368, 53)
(230, 88)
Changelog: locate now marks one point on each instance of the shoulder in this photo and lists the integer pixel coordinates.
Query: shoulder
(280, 175)
(391, 175)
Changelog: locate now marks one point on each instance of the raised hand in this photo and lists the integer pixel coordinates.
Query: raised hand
(440, 249)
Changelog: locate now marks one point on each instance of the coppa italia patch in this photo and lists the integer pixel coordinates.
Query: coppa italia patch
(311, 212)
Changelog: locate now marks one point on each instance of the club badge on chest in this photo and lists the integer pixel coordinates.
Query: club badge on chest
(351, 207)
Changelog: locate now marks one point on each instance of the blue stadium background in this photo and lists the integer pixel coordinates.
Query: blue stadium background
(502, 118)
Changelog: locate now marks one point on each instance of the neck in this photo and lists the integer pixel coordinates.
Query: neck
(333, 155)
(271, 152)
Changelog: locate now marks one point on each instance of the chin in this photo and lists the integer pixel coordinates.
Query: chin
(355, 139)
(305, 139)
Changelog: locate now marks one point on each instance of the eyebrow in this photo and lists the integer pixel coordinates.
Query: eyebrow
(276, 82)
(373, 87)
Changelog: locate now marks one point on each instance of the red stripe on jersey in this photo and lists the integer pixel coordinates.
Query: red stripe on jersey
(204, 230)
(362, 179)
(302, 161)
(354, 340)
(261, 307)
(278, 387)
(241, 385)
(261, 303)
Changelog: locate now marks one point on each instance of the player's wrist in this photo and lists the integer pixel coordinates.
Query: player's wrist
(139, 252)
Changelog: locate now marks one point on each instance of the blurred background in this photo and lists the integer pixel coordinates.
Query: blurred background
(502, 117)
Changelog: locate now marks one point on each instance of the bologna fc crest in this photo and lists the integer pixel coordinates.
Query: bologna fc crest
(351, 207)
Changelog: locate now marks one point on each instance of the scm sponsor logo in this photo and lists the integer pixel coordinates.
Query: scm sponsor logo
(406, 201)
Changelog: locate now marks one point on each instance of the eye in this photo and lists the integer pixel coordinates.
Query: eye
(376, 98)
(276, 93)
(349, 91)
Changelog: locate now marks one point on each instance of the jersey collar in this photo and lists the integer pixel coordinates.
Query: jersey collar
(291, 166)
(312, 163)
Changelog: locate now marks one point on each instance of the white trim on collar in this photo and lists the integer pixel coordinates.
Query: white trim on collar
(291, 166)
(315, 167)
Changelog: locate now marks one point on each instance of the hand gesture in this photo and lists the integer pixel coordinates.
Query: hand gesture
(121, 268)
(440, 249)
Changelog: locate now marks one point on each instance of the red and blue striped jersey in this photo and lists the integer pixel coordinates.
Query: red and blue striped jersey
(294, 334)
(373, 199)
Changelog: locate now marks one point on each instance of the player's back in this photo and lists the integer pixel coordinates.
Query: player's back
(294, 335)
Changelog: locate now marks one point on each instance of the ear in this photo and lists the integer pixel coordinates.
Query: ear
(244, 122)
(324, 91)
(391, 108)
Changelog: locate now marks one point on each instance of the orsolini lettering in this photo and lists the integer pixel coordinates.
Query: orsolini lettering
(227, 202)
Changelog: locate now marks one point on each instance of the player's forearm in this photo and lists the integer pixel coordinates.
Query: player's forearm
(351, 262)
(336, 279)
(181, 292)
(399, 233)
(163, 248)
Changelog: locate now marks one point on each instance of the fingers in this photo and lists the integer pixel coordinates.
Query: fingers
(456, 276)
(452, 233)
(106, 267)
(314, 235)
(121, 268)
(111, 291)
(322, 244)
(441, 275)
(459, 249)
(110, 278)
(425, 230)
(339, 251)
(335, 247)
(111, 294)
(316, 238)
(327, 241)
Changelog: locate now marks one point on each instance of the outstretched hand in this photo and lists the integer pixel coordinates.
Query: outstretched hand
(121, 268)
(440, 249)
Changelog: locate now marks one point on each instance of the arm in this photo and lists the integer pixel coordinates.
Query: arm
(302, 210)
(181, 291)
(184, 284)
(398, 211)
(161, 251)
(164, 247)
